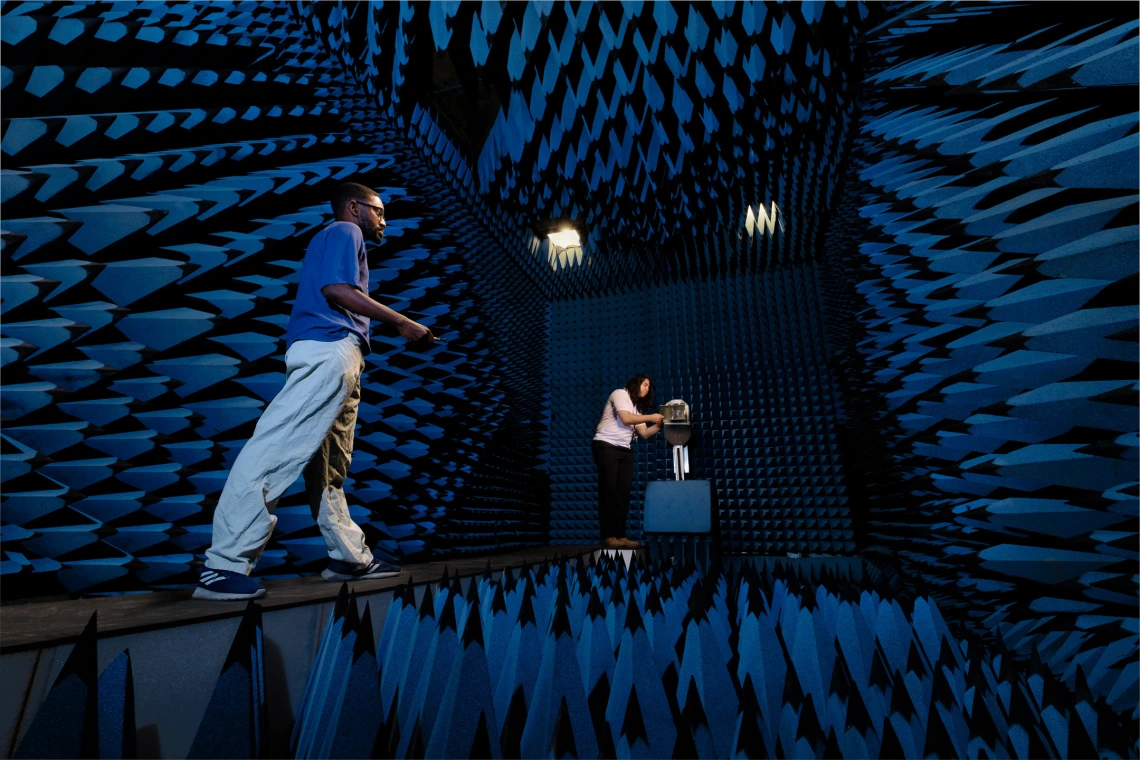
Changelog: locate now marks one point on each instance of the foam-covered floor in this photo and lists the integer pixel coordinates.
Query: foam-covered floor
(771, 658)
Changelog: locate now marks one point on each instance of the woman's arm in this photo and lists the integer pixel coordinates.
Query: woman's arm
(649, 431)
(629, 418)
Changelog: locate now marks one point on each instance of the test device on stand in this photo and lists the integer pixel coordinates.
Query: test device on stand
(678, 431)
(678, 515)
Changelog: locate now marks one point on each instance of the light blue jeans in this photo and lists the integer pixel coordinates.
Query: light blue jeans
(307, 428)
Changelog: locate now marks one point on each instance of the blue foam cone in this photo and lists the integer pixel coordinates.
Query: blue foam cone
(596, 663)
(443, 593)
(803, 647)
(513, 725)
(409, 662)
(513, 590)
(442, 659)
(67, 722)
(704, 672)
(117, 709)
(810, 739)
(595, 647)
(392, 650)
(761, 666)
(750, 739)
(318, 674)
(497, 633)
(360, 715)
(615, 612)
(401, 600)
(521, 663)
(466, 725)
(985, 718)
(636, 680)
(579, 600)
(559, 713)
(694, 722)
(234, 724)
(674, 613)
(659, 633)
(320, 719)
(544, 595)
(458, 601)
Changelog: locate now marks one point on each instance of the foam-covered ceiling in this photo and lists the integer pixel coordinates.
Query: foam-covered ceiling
(652, 126)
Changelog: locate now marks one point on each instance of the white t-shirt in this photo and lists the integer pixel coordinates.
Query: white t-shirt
(610, 428)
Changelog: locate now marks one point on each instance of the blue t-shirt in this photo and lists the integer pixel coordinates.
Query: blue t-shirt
(335, 255)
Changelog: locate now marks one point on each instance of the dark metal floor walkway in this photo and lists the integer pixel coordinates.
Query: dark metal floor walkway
(38, 624)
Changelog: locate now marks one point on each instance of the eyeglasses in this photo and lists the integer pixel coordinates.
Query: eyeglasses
(378, 209)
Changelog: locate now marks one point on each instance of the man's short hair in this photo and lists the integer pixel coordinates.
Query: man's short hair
(351, 191)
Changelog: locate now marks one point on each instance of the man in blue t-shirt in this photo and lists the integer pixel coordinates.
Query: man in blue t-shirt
(308, 427)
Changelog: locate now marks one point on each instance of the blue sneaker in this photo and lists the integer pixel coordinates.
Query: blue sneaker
(342, 571)
(224, 585)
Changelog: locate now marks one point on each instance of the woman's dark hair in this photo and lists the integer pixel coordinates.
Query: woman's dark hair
(644, 405)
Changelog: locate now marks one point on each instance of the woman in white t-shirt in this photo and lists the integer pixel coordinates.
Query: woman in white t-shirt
(624, 415)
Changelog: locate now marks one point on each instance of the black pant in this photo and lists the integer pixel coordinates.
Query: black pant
(615, 481)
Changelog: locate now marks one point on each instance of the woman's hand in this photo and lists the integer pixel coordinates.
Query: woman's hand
(649, 431)
(629, 418)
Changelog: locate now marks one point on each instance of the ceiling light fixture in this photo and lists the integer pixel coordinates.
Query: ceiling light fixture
(565, 238)
(561, 240)
(764, 220)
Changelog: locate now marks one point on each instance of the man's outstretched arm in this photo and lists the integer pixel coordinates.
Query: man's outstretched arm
(350, 299)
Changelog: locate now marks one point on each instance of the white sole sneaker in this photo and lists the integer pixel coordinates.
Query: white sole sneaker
(218, 596)
(329, 575)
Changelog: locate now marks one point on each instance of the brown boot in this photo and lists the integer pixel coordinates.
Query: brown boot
(612, 543)
(629, 543)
